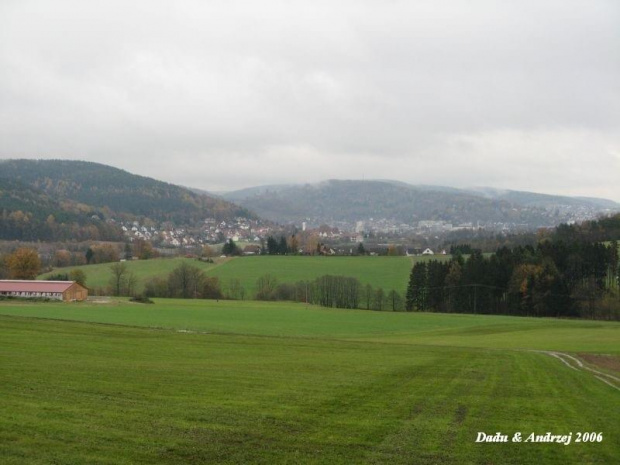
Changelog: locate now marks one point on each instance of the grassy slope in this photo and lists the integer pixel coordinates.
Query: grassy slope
(298, 320)
(387, 272)
(83, 393)
(99, 275)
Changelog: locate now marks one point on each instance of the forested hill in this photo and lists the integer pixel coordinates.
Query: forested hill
(116, 191)
(61, 200)
(29, 214)
(351, 201)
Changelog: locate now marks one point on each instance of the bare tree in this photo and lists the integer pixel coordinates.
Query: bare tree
(368, 296)
(379, 298)
(395, 300)
(235, 289)
(131, 282)
(265, 285)
(185, 281)
(117, 282)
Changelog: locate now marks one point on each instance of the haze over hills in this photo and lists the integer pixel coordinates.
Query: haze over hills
(350, 201)
(544, 200)
(81, 194)
(61, 199)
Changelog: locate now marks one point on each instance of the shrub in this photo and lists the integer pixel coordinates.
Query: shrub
(141, 299)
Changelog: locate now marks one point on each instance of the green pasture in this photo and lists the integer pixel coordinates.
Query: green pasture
(226, 382)
(98, 276)
(386, 272)
(390, 273)
(286, 319)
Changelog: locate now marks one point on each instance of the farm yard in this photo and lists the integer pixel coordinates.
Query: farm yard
(255, 382)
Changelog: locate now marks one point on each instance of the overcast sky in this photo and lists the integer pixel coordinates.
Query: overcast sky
(227, 94)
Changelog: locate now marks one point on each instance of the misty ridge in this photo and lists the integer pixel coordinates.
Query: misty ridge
(44, 199)
(344, 202)
(519, 96)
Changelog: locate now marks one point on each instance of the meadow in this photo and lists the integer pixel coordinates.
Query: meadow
(254, 382)
(98, 275)
(286, 319)
(390, 273)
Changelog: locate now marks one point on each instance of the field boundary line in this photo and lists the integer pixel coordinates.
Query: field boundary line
(562, 360)
(585, 367)
(566, 358)
(607, 382)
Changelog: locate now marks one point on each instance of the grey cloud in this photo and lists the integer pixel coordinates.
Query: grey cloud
(228, 94)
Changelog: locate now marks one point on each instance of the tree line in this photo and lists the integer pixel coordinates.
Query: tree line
(555, 278)
(330, 291)
(281, 246)
(185, 282)
(190, 282)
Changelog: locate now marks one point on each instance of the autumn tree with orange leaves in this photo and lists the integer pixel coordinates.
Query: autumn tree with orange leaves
(24, 263)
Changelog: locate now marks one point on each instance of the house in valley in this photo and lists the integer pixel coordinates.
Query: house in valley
(251, 250)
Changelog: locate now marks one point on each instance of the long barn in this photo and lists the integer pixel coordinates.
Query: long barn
(58, 290)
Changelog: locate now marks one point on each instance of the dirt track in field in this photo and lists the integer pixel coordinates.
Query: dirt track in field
(576, 364)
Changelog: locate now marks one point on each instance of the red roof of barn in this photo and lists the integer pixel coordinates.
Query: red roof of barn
(35, 286)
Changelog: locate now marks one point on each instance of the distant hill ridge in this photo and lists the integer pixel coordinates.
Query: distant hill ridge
(71, 200)
(353, 200)
(117, 191)
(59, 199)
(545, 200)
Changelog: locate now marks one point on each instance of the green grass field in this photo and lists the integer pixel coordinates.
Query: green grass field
(285, 319)
(250, 382)
(386, 272)
(98, 276)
